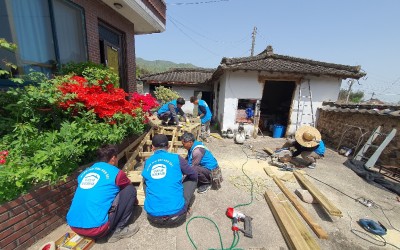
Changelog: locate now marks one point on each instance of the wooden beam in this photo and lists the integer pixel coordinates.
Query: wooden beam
(306, 216)
(130, 146)
(286, 223)
(171, 144)
(135, 176)
(131, 162)
(306, 235)
(329, 207)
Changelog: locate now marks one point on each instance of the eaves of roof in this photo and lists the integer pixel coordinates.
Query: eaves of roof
(269, 62)
(180, 76)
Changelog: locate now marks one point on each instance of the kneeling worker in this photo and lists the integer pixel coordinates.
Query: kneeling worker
(308, 144)
(167, 195)
(104, 200)
(202, 160)
(168, 112)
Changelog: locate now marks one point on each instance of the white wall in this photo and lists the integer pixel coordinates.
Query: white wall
(245, 85)
(322, 89)
(239, 85)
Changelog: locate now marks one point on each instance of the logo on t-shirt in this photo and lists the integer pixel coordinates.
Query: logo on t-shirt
(89, 180)
(158, 171)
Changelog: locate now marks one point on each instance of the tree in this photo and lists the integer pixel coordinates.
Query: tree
(354, 97)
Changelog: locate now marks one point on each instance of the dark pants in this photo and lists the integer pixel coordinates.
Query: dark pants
(203, 175)
(167, 116)
(122, 208)
(177, 219)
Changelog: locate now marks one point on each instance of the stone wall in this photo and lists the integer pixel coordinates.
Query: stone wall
(351, 124)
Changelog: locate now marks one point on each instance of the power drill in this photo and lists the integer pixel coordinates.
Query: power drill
(236, 217)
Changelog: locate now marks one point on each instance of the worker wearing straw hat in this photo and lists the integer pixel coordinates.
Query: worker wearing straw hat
(308, 144)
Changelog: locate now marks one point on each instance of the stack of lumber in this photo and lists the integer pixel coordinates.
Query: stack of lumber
(293, 229)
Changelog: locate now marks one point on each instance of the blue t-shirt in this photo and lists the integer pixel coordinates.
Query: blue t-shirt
(208, 161)
(164, 108)
(208, 114)
(164, 188)
(320, 149)
(94, 196)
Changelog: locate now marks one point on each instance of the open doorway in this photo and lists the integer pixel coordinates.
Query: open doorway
(276, 103)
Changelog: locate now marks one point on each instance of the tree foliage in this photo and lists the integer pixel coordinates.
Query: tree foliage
(354, 97)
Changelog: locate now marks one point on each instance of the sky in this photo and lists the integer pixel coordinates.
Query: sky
(349, 32)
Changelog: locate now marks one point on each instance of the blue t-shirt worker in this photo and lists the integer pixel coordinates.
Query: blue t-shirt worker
(203, 161)
(104, 200)
(169, 184)
(205, 115)
(167, 113)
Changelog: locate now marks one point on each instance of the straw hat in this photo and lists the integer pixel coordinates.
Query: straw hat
(308, 136)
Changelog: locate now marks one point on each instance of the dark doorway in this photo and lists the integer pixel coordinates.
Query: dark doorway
(275, 104)
(112, 52)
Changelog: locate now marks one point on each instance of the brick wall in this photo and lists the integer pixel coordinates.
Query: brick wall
(32, 216)
(96, 10)
(331, 124)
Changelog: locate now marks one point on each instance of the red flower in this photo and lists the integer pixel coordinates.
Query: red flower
(105, 102)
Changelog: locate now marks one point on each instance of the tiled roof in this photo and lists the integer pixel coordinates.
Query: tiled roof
(180, 76)
(269, 62)
(388, 110)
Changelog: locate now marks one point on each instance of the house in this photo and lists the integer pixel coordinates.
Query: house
(187, 82)
(49, 33)
(284, 90)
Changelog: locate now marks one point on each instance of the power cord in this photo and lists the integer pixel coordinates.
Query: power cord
(373, 205)
(370, 239)
(236, 236)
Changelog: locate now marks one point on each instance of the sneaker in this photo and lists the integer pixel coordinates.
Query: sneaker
(125, 232)
(312, 165)
(203, 188)
(164, 123)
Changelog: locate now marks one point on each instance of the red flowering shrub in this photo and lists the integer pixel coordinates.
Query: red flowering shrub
(104, 99)
(3, 157)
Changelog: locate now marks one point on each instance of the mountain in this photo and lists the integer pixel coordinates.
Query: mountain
(149, 67)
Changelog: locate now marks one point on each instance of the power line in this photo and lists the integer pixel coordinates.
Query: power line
(199, 44)
(201, 35)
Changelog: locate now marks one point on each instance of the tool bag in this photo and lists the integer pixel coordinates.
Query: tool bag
(216, 178)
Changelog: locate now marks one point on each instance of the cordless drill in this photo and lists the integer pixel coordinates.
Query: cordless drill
(236, 217)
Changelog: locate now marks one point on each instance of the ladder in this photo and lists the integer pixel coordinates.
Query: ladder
(370, 161)
(304, 101)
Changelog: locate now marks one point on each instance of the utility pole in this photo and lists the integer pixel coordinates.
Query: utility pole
(373, 94)
(253, 42)
(349, 90)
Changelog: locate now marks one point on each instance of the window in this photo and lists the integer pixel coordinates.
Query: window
(245, 110)
(70, 31)
(46, 32)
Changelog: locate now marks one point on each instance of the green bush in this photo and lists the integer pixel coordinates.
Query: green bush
(40, 142)
(165, 95)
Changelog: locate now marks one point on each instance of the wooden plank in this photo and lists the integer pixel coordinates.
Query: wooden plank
(130, 146)
(171, 144)
(292, 235)
(268, 170)
(140, 196)
(268, 151)
(131, 162)
(329, 207)
(302, 211)
(216, 135)
(135, 176)
(298, 223)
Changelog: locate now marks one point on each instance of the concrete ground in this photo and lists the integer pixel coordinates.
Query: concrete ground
(266, 234)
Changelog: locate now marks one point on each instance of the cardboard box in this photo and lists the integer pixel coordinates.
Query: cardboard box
(73, 241)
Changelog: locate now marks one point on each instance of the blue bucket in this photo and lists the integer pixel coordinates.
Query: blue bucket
(279, 131)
